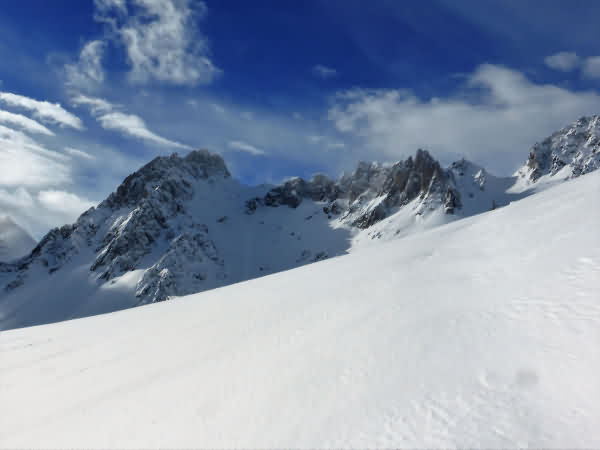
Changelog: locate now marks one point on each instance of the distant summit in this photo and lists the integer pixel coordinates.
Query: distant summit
(570, 152)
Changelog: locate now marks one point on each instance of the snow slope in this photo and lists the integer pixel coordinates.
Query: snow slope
(14, 240)
(480, 333)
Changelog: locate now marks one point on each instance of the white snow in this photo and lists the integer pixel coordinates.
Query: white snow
(14, 240)
(480, 333)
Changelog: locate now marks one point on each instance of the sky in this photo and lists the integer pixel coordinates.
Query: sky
(90, 90)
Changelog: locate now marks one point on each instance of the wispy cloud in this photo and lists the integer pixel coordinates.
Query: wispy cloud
(25, 162)
(161, 39)
(569, 61)
(38, 211)
(42, 110)
(24, 123)
(110, 118)
(324, 72)
(563, 61)
(134, 126)
(245, 147)
(79, 153)
(325, 142)
(96, 105)
(63, 203)
(591, 67)
(87, 73)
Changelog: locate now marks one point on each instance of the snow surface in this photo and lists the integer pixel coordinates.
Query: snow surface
(480, 333)
(14, 240)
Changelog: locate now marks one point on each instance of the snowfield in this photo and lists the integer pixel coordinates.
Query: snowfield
(481, 333)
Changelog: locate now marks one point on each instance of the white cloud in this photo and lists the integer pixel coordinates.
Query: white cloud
(63, 203)
(134, 126)
(495, 123)
(127, 124)
(563, 61)
(87, 72)
(218, 108)
(591, 67)
(323, 71)
(18, 198)
(44, 111)
(325, 141)
(104, 6)
(79, 153)
(568, 61)
(25, 162)
(38, 212)
(96, 105)
(245, 147)
(24, 123)
(161, 39)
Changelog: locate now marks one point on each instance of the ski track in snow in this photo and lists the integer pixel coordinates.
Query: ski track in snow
(480, 333)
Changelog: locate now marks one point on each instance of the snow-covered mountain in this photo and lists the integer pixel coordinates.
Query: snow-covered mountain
(570, 152)
(482, 333)
(15, 242)
(181, 225)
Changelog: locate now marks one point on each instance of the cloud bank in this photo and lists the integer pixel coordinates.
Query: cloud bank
(493, 120)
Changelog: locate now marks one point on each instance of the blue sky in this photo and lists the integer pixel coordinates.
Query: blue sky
(279, 88)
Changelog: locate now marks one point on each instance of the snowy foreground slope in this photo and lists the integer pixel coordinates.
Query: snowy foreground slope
(480, 333)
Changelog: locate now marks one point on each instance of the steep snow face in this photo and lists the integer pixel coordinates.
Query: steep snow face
(14, 240)
(570, 152)
(478, 334)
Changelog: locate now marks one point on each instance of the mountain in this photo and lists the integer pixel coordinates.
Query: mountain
(570, 152)
(181, 225)
(15, 242)
(478, 334)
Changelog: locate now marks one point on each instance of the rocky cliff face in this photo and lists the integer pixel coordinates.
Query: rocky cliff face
(372, 191)
(130, 223)
(575, 147)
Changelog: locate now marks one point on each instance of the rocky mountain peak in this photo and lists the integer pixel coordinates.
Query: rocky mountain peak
(576, 146)
(168, 173)
(372, 190)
